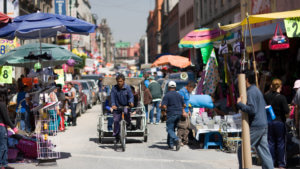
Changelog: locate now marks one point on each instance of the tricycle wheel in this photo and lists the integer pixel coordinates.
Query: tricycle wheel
(146, 135)
(123, 134)
(100, 138)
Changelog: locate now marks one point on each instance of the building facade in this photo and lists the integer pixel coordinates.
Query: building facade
(186, 17)
(208, 13)
(169, 31)
(108, 42)
(154, 31)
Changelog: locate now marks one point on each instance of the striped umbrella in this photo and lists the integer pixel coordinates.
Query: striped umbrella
(202, 37)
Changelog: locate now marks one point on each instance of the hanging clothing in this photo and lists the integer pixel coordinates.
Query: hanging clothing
(212, 77)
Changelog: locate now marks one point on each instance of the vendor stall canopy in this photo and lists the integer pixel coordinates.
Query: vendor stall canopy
(173, 60)
(17, 56)
(262, 18)
(203, 37)
(42, 25)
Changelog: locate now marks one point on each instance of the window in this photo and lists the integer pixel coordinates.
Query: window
(190, 16)
(215, 4)
(210, 8)
(201, 10)
(182, 22)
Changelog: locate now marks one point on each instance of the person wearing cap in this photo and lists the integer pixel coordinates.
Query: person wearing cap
(156, 93)
(296, 101)
(174, 105)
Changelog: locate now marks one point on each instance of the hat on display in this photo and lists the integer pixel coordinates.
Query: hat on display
(172, 84)
(297, 84)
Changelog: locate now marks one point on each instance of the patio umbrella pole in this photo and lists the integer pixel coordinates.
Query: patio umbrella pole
(253, 54)
(40, 39)
(246, 148)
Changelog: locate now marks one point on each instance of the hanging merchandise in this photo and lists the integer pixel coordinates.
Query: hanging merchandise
(279, 42)
(37, 66)
(212, 77)
(223, 49)
(238, 46)
(71, 62)
(205, 52)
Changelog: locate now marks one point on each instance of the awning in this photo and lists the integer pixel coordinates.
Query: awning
(263, 18)
(4, 19)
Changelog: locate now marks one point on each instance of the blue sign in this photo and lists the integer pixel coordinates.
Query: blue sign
(60, 7)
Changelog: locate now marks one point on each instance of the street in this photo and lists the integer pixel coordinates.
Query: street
(80, 149)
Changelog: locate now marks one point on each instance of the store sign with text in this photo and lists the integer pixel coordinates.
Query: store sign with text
(292, 27)
(6, 45)
(60, 7)
(6, 74)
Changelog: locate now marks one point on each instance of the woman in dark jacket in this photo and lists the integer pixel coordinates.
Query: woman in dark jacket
(4, 122)
(276, 133)
(147, 99)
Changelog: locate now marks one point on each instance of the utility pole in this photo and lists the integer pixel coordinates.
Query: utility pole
(5, 6)
(146, 50)
(70, 9)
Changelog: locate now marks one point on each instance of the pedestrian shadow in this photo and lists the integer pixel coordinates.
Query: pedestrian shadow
(64, 155)
(95, 140)
(159, 145)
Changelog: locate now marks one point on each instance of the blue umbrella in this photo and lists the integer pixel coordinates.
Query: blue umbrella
(42, 25)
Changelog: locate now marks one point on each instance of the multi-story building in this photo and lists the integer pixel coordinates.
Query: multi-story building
(127, 54)
(169, 31)
(154, 31)
(186, 17)
(82, 42)
(208, 13)
(186, 23)
(108, 49)
(142, 50)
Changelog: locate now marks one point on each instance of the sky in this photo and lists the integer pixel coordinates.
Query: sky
(126, 18)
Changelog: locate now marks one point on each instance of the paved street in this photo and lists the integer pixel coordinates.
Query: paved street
(80, 149)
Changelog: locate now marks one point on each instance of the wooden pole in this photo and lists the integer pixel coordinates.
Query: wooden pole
(253, 54)
(246, 145)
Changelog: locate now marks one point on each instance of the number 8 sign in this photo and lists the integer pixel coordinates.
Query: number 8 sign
(6, 75)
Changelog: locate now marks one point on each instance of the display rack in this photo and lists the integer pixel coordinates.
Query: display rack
(46, 133)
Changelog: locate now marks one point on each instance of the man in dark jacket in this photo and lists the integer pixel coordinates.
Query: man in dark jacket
(255, 108)
(156, 92)
(174, 104)
(120, 96)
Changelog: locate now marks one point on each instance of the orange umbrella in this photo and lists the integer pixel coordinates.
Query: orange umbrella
(174, 60)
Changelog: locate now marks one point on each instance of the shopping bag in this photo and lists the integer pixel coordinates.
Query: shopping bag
(270, 113)
(279, 42)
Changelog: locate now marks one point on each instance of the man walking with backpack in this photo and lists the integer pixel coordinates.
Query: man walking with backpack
(156, 92)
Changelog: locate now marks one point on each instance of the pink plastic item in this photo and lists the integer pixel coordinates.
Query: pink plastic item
(292, 112)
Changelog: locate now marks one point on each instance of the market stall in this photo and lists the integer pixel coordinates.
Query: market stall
(41, 58)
